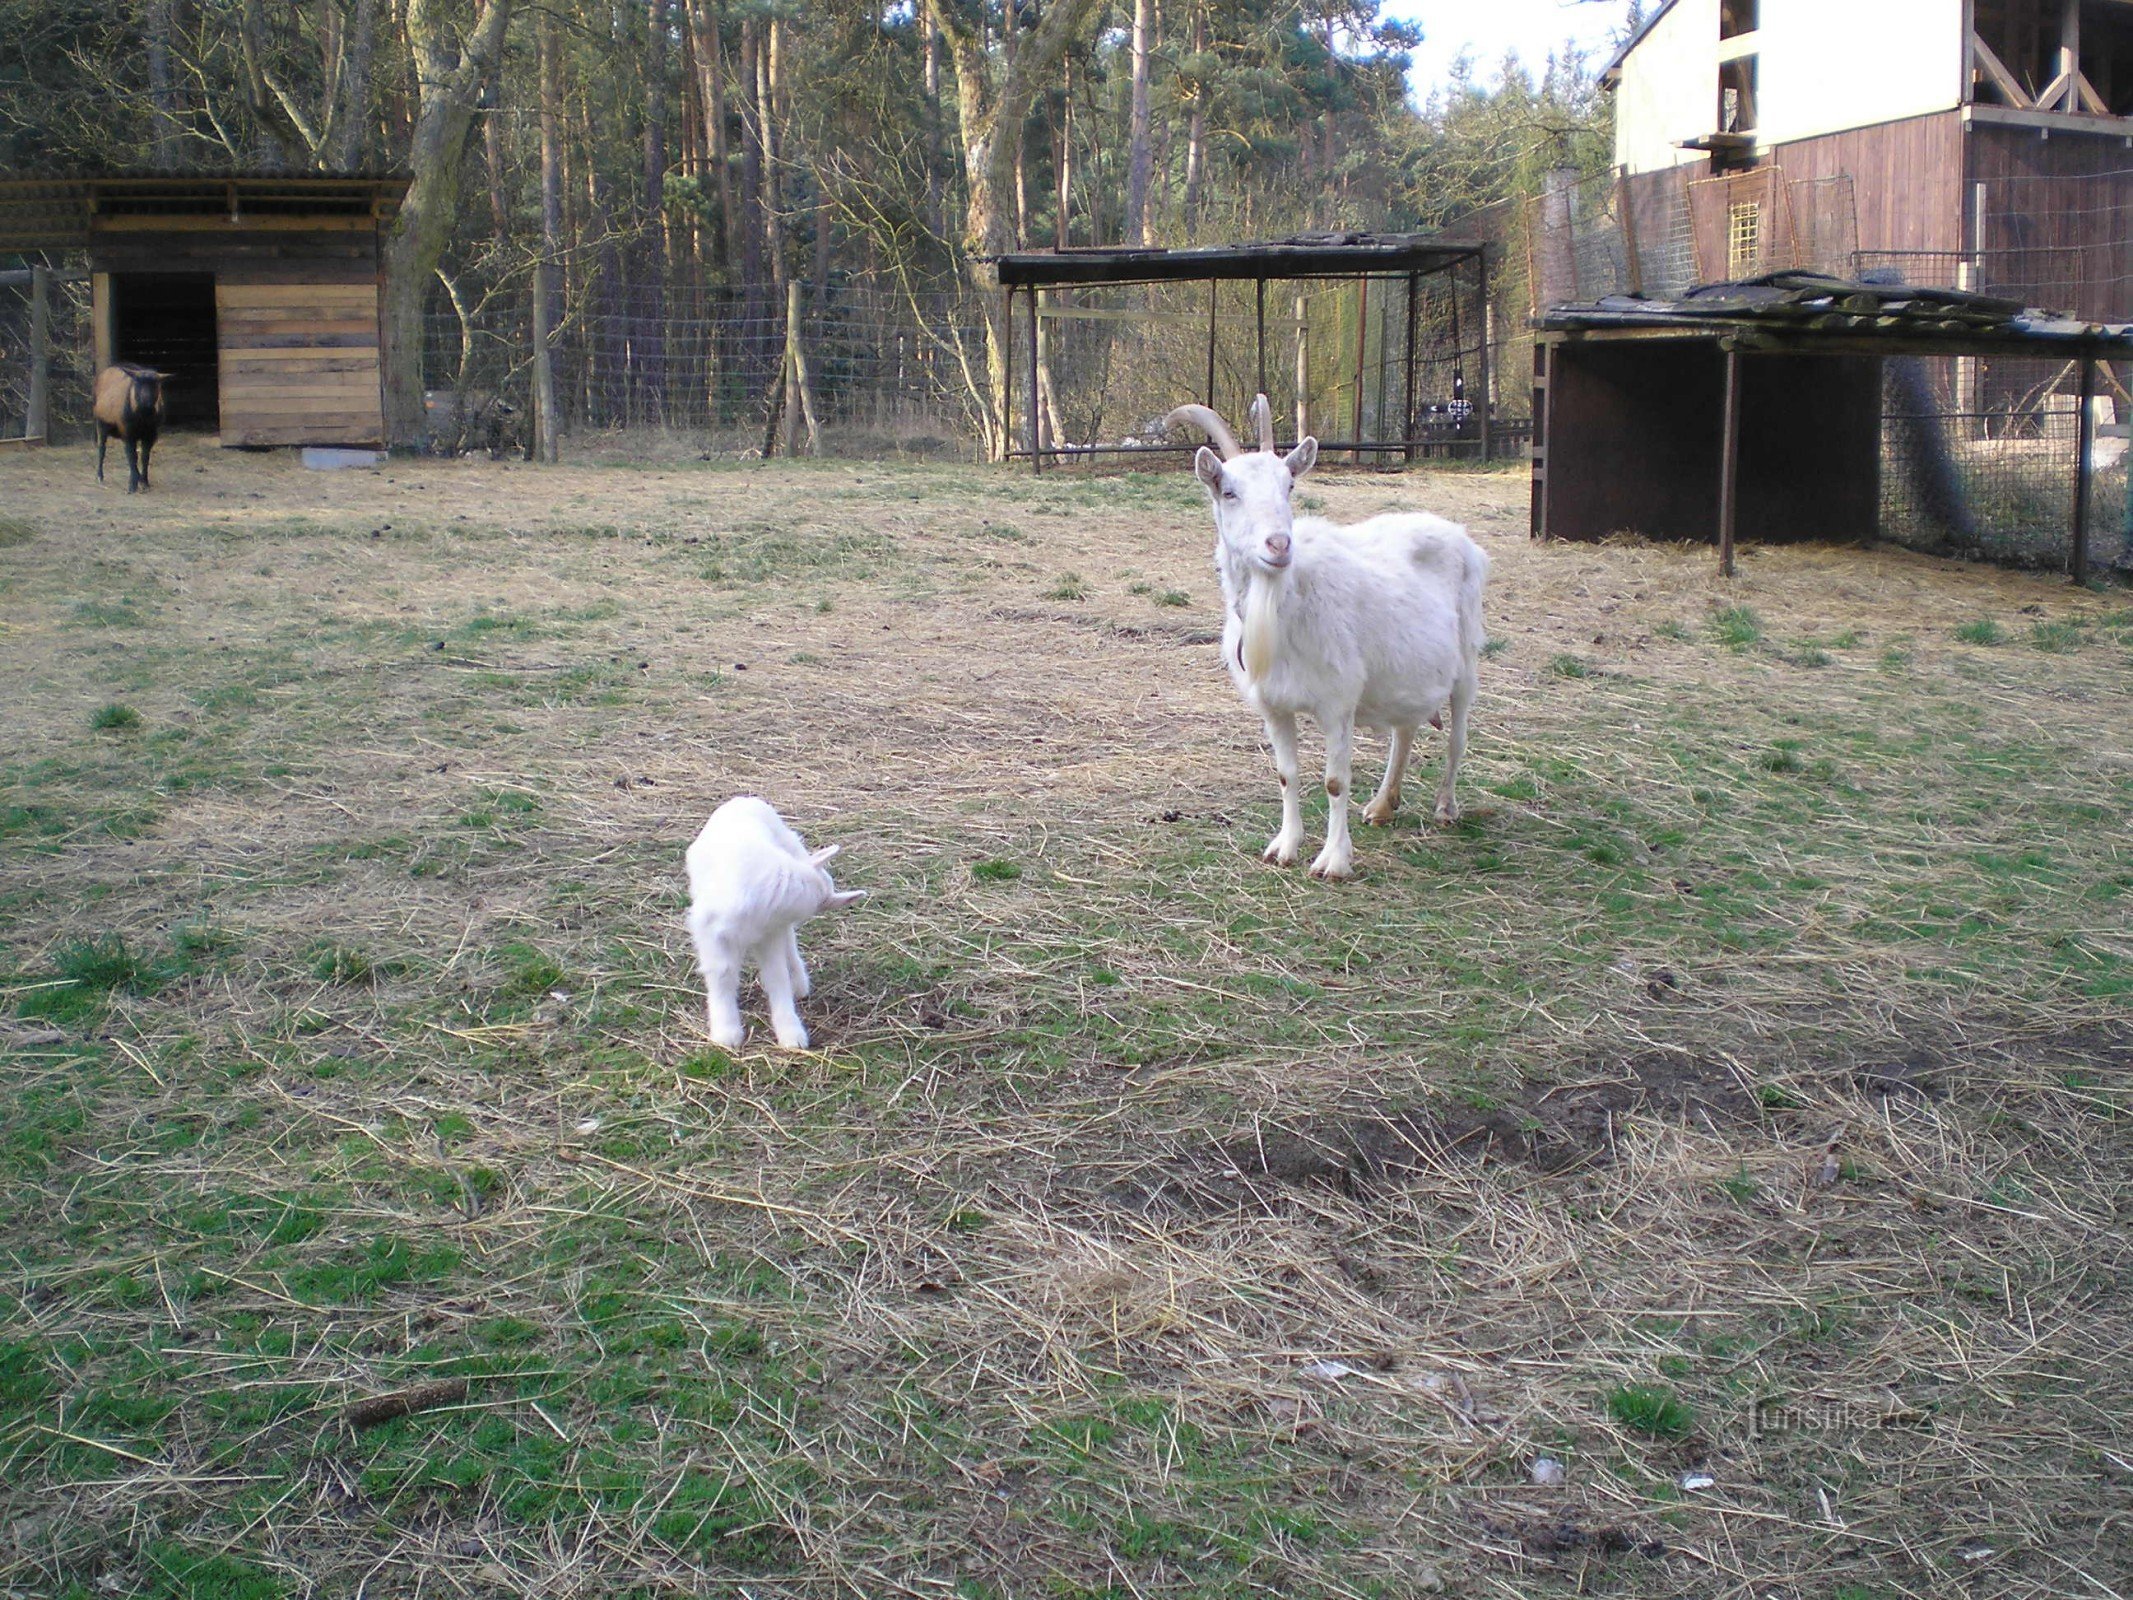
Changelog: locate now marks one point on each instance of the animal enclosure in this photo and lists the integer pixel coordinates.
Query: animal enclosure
(1736, 1097)
(259, 297)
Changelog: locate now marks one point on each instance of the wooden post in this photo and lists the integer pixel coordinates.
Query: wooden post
(545, 447)
(1729, 465)
(1414, 310)
(1036, 440)
(38, 424)
(1488, 328)
(2085, 440)
(1626, 213)
(803, 384)
(2070, 53)
(1362, 353)
(1213, 289)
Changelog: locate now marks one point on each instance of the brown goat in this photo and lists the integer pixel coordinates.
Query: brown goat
(128, 405)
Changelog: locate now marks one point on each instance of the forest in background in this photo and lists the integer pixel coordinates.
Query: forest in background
(659, 180)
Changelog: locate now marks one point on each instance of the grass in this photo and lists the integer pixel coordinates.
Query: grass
(1750, 1059)
(115, 717)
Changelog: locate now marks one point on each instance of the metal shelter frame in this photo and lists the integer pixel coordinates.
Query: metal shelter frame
(1852, 331)
(1339, 256)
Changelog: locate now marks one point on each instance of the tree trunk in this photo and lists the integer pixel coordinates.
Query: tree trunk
(162, 100)
(448, 80)
(1137, 151)
(547, 430)
(991, 117)
(344, 149)
(651, 333)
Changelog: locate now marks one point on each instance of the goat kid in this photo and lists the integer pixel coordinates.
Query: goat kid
(751, 884)
(128, 405)
(1377, 624)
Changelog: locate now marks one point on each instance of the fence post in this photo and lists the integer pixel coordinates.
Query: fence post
(797, 373)
(545, 447)
(2085, 442)
(1488, 330)
(38, 424)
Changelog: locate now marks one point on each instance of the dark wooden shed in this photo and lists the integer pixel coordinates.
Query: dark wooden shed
(259, 295)
(1754, 410)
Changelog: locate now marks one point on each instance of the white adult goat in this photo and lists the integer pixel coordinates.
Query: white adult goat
(1378, 623)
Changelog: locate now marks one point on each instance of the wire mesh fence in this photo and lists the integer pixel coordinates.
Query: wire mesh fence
(887, 371)
(66, 352)
(1382, 369)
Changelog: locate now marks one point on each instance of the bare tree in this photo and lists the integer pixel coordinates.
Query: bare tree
(993, 101)
(449, 69)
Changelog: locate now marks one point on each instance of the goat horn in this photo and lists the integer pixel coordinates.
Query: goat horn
(1211, 425)
(1263, 420)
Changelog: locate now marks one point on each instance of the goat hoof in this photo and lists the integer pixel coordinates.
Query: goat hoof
(1332, 867)
(1447, 811)
(1279, 852)
(1379, 816)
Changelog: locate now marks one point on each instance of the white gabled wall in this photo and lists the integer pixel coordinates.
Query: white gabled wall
(1669, 88)
(1828, 65)
(1822, 66)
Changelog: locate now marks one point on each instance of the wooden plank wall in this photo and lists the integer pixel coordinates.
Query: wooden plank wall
(1907, 178)
(296, 318)
(2064, 207)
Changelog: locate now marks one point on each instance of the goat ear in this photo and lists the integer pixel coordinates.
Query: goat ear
(1304, 457)
(823, 856)
(840, 898)
(1208, 467)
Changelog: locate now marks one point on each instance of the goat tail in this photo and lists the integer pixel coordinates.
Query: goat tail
(1262, 621)
(1473, 574)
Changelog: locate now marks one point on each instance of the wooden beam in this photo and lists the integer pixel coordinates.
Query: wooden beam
(2069, 55)
(2086, 96)
(2002, 79)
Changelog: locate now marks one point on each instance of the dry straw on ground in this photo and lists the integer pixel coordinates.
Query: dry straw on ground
(1740, 1092)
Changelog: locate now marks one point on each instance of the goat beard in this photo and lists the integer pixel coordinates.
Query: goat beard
(1262, 624)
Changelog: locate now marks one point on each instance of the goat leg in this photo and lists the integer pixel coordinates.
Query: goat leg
(1337, 860)
(1283, 848)
(1387, 800)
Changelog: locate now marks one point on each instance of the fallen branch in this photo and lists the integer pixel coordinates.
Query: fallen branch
(405, 1402)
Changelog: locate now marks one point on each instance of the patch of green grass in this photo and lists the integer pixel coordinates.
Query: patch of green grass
(528, 970)
(996, 871)
(340, 963)
(1567, 666)
(114, 717)
(1677, 632)
(1736, 627)
(1069, 586)
(1651, 1409)
(1983, 631)
(354, 1277)
(1173, 597)
(2057, 638)
(1492, 648)
(180, 1572)
(16, 530)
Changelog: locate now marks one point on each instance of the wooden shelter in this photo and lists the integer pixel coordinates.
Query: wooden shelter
(1755, 409)
(1411, 257)
(260, 296)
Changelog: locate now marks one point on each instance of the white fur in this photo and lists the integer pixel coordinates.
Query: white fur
(1377, 624)
(751, 884)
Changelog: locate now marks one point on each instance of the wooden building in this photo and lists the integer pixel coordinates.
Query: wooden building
(1988, 144)
(260, 296)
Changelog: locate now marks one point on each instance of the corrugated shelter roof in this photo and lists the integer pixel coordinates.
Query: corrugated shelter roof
(61, 211)
(1809, 310)
(1303, 255)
